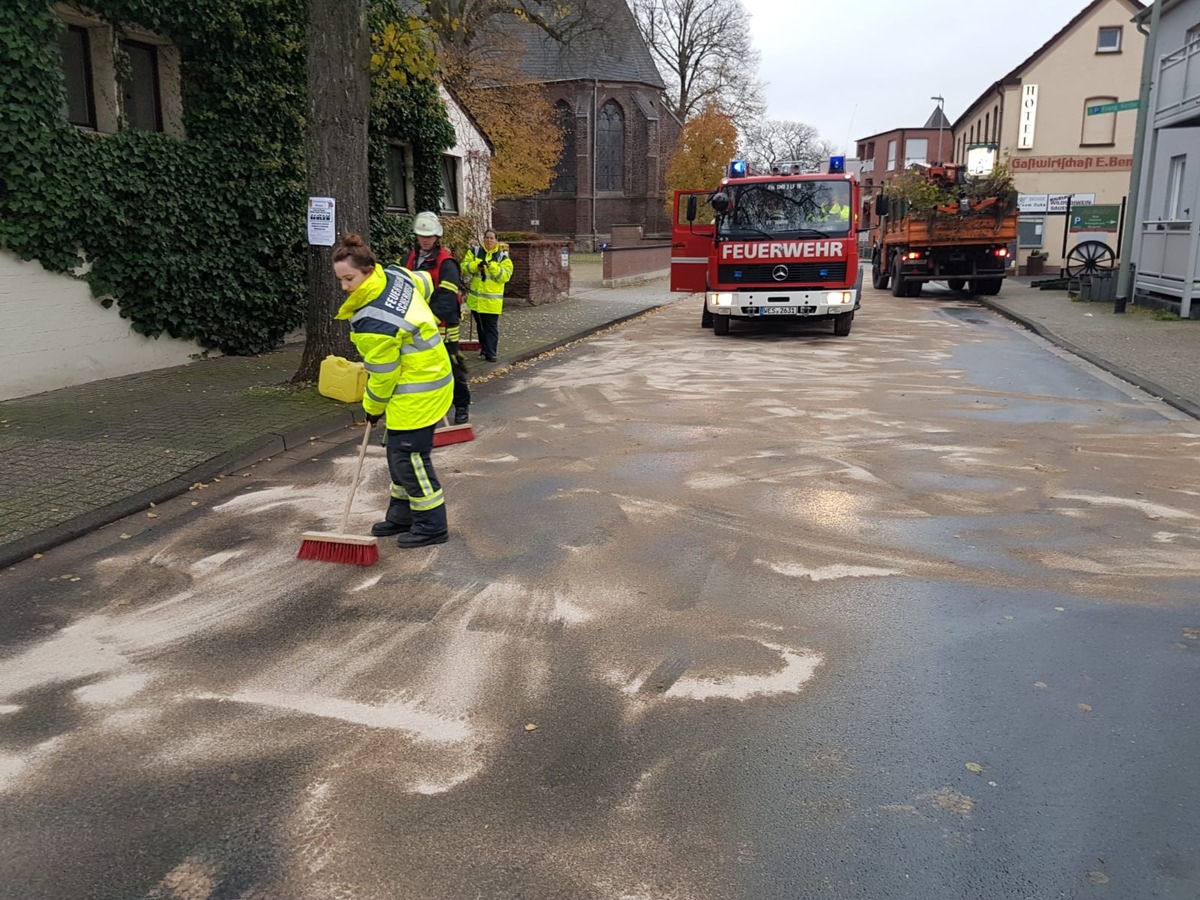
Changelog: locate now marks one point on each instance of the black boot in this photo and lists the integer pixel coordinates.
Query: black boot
(412, 539)
(461, 415)
(387, 528)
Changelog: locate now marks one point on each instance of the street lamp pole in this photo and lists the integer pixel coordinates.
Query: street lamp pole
(941, 101)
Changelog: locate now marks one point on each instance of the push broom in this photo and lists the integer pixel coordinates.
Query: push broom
(340, 547)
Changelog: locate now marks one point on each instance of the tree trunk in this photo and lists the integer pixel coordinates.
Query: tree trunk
(339, 106)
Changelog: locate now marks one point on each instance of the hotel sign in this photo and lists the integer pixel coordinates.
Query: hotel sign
(1029, 94)
(1110, 163)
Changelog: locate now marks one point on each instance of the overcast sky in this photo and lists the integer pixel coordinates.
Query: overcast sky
(858, 67)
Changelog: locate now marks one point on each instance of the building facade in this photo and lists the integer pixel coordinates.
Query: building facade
(885, 155)
(618, 135)
(1166, 245)
(1061, 121)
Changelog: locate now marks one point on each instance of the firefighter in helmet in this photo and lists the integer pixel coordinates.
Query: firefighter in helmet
(430, 256)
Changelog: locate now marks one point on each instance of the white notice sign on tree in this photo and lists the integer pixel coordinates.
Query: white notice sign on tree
(322, 221)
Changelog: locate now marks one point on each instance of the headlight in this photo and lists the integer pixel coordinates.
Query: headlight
(841, 297)
(720, 299)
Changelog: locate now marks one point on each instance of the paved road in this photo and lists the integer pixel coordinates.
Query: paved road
(908, 614)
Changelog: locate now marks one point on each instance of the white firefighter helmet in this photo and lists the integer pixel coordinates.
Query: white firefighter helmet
(426, 224)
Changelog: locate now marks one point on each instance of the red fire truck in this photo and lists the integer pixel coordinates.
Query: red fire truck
(782, 247)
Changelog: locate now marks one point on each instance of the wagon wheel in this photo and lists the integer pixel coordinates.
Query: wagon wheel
(1090, 258)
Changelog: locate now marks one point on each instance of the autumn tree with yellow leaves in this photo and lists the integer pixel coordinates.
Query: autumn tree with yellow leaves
(707, 143)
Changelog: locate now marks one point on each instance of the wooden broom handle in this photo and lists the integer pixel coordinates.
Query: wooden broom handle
(362, 454)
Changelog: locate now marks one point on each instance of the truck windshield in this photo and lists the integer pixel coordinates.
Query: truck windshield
(787, 209)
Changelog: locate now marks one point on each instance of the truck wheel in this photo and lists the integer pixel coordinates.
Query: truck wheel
(986, 287)
(913, 289)
(879, 278)
(706, 318)
(956, 284)
(841, 325)
(721, 325)
(898, 287)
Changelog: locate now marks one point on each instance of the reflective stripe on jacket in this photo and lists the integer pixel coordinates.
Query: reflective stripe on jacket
(486, 294)
(408, 368)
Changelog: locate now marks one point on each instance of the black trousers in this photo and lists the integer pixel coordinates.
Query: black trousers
(488, 325)
(417, 500)
(462, 390)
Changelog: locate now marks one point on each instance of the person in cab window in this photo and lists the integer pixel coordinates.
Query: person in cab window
(489, 268)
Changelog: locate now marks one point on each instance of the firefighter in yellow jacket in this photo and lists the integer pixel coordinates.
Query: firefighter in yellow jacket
(409, 383)
(490, 269)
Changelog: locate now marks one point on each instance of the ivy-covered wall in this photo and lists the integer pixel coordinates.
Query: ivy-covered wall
(201, 238)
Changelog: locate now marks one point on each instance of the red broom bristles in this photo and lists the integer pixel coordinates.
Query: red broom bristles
(335, 552)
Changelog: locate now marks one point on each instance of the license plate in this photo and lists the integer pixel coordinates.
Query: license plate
(786, 310)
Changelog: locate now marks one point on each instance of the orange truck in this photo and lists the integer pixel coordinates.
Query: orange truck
(965, 243)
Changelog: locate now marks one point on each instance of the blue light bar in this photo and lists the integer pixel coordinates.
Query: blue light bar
(737, 168)
(837, 165)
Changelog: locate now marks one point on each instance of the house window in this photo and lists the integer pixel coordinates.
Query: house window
(449, 199)
(564, 170)
(397, 178)
(117, 76)
(1192, 36)
(916, 150)
(1099, 130)
(80, 106)
(610, 148)
(1108, 40)
(140, 95)
(891, 155)
(1174, 210)
(1031, 232)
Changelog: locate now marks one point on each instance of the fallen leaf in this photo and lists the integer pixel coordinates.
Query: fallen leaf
(125, 535)
(1040, 685)
(974, 767)
(195, 503)
(76, 578)
(39, 556)
(1097, 878)
(1008, 618)
(531, 727)
(1192, 634)
(1086, 707)
(1060, 609)
(151, 515)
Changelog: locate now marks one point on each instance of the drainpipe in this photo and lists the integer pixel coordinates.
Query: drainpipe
(595, 145)
(1125, 272)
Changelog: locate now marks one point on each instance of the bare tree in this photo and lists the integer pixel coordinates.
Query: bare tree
(703, 52)
(339, 105)
(773, 140)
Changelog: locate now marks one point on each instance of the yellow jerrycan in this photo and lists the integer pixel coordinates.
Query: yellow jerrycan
(341, 379)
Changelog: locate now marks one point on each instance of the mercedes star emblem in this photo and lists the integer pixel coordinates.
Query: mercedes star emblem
(780, 273)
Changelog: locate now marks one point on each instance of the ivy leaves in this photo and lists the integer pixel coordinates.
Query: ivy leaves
(200, 238)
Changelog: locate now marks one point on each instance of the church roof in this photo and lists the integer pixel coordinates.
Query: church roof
(605, 45)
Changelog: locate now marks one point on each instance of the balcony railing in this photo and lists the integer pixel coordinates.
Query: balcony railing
(1178, 101)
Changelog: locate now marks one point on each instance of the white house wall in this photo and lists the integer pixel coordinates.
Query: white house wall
(475, 162)
(57, 335)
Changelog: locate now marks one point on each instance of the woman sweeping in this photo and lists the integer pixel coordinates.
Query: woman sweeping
(409, 383)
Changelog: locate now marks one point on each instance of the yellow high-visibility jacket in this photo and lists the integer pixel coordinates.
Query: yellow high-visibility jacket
(408, 368)
(486, 293)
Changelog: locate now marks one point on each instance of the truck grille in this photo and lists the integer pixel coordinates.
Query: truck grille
(797, 273)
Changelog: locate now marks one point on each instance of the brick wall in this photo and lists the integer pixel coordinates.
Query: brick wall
(624, 265)
(539, 275)
(54, 334)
